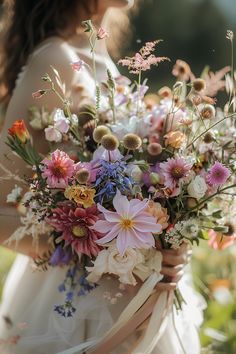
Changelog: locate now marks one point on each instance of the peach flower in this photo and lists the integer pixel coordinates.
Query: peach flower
(175, 139)
(160, 213)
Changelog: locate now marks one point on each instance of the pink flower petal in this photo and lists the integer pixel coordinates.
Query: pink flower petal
(102, 226)
(136, 207)
(122, 241)
(110, 216)
(110, 236)
(145, 226)
(121, 204)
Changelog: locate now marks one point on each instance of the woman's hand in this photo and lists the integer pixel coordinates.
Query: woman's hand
(173, 264)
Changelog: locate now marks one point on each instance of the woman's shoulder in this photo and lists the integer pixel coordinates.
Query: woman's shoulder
(55, 52)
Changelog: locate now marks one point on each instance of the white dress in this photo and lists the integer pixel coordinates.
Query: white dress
(29, 298)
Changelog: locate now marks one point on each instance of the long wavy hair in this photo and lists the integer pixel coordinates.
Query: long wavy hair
(27, 23)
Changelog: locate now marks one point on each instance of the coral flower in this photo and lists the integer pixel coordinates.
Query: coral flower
(174, 171)
(130, 224)
(76, 227)
(58, 170)
(176, 139)
(218, 174)
(160, 213)
(19, 131)
(218, 241)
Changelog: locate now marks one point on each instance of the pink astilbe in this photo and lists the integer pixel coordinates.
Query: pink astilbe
(130, 224)
(143, 60)
(76, 225)
(174, 171)
(58, 170)
(218, 174)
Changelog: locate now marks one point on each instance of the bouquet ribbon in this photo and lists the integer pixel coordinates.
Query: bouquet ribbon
(147, 302)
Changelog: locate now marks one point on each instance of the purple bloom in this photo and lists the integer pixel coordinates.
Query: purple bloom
(61, 256)
(218, 174)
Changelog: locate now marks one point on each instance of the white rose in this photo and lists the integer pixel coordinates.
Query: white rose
(152, 263)
(123, 266)
(110, 261)
(197, 188)
(100, 266)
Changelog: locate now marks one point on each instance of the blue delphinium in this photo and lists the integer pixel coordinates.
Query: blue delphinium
(110, 177)
(69, 286)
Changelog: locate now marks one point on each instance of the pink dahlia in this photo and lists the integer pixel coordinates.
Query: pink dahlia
(76, 225)
(174, 171)
(58, 170)
(130, 224)
(218, 174)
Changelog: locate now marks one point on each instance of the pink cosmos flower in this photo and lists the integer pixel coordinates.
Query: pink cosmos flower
(174, 171)
(102, 33)
(218, 174)
(76, 225)
(130, 224)
(77, 65)
(58, 170)
(219, 241)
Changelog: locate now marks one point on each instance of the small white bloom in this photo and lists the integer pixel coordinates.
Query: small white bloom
(52, 134)
(61, 123)
(197, 187)
(14, 195)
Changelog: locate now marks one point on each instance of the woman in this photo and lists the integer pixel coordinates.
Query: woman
(44, 33)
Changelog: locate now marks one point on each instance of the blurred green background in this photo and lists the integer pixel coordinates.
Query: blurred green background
(192, 30)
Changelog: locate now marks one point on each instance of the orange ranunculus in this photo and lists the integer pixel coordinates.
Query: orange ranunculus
(175, 139)
(20, 131)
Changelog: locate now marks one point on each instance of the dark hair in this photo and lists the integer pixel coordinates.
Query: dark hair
(26, 24)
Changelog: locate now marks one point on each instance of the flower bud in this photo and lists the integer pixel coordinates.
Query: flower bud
(154, 178)
(199, 84)
(19, 130)
(207, 111)
(191, 203)
(99, 132)
(110, 142)
(132, 141)
(82, 175)
(208, 138)
(154, 149)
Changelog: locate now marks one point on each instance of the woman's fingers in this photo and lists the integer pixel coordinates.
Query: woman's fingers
(173, 258)
(171, 271)
(165, 286)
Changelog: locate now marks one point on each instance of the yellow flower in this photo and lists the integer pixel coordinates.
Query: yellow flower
(81, 195)
(175, 139)
(160, 213)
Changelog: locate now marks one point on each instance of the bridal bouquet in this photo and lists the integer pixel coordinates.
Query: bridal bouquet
(132, 173)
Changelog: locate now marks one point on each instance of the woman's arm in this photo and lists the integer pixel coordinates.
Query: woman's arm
(60, 56)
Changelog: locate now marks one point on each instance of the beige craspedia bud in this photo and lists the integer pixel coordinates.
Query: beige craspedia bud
(132, 141)
(191, 203)
(154, 149)
(82, 175)
(110, 142)
(208, 138)
(165, 92)
(99, 132)
(207, 111)
(199, 84)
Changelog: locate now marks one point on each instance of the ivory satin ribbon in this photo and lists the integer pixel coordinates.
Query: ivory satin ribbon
(137, 311)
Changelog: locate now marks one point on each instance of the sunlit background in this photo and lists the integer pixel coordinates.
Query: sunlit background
(192, 30)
